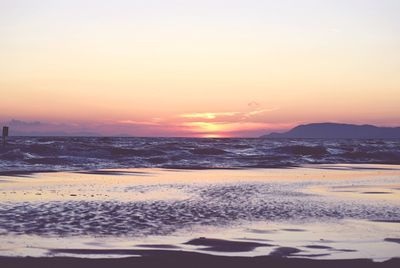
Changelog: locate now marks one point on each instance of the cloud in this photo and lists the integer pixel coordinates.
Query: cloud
(38, 128)
(204, 126)
(133, 122)
(208, 115)
(261, 111)
(227, 124)
(15, 122)
(231, 129)
(228, 116)
(253, 104)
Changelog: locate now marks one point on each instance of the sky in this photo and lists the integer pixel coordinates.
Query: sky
(197, 68)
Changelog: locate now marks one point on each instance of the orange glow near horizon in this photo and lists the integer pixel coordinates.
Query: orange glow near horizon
(214, 136)
(204, 127)
(228, 129)
(207, 129)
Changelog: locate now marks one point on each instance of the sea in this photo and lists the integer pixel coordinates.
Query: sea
(26, 154)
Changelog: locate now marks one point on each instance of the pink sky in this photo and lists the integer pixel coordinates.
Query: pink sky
(197, 68)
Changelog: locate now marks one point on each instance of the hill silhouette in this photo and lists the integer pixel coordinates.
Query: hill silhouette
(338, 131)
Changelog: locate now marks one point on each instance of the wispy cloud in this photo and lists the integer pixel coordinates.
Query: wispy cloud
(20, 123)
(204, 126)
(133, 122)
(226, 124)
(231, 129)
(261, 111)
(226, 115)
(208, 115)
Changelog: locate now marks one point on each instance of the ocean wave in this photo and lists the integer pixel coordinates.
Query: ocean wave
(303, 150)
(71, 153)
(208, 151)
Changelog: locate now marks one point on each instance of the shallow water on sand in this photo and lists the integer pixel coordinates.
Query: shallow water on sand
(324, 211)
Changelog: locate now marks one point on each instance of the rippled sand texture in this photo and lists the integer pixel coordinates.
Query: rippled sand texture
(277, 211)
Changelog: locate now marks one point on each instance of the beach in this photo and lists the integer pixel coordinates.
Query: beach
(314, 214)
(199, 133)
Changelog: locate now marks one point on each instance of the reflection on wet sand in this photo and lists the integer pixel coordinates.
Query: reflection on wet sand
(310, 212)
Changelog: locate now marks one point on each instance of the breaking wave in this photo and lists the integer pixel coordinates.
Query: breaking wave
(73, 153)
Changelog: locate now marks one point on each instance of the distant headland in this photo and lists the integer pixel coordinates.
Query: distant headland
(338, 131)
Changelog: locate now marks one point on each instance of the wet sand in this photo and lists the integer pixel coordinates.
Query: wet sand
(313, 216)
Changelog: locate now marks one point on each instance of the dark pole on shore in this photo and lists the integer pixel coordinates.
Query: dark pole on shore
(5, 134)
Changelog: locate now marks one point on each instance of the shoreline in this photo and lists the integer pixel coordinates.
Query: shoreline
(124, 170)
